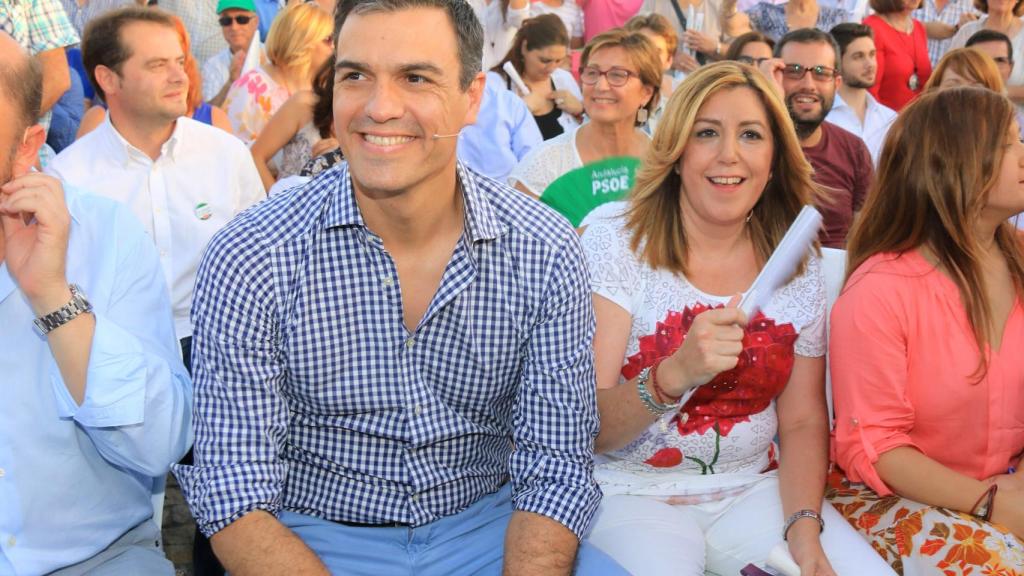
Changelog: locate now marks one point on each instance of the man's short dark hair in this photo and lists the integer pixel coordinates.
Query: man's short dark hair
(468, 32)
(845, 33)
(808, 36)
(982, 36)
(101, 40)
(22, 84)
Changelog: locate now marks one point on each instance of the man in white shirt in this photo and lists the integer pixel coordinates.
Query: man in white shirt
(239, 23)
(854, 109)
(182, 179)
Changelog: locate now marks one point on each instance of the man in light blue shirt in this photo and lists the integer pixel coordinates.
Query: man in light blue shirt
(96, 404)
(503, 134)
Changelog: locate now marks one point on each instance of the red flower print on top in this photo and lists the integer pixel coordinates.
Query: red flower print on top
(733, 396)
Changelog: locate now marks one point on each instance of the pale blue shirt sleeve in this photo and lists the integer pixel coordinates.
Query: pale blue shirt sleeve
(138, 397)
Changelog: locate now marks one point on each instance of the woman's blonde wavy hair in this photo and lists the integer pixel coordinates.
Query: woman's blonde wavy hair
(293, 35)
(654, 217)
(935, 173)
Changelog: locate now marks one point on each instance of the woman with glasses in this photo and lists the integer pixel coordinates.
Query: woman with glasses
(692, 393)
(621, 76)
(901, 45)
(538, 50)
(298, 44)
(926, 341)
(751, 48)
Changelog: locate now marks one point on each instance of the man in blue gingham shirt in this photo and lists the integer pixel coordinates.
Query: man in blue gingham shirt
(369, 384)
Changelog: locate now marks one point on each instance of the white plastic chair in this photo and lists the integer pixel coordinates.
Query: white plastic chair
(833, 267)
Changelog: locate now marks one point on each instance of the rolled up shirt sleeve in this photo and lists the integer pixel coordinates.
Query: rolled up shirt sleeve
(240, 414)
(868, 363)
(556, 418)
(137, 403)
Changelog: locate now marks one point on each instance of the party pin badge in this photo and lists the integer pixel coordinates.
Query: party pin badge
(203, 211)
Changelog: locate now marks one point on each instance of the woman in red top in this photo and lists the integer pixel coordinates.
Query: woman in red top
(903, 64)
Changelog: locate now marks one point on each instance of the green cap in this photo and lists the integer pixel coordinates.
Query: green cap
(223, 5)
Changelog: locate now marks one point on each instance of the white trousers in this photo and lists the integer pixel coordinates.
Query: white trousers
(651, 538)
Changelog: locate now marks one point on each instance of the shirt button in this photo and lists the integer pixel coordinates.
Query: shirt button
(409, 342)
(388, 281)
(415, 498)
(163, 253)
(2, 473)
(11, 541)
(418, 409)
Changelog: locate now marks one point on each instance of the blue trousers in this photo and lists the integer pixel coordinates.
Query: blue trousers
(470, 542)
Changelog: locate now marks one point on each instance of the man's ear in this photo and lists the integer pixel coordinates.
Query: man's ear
(107, 79)
(476, 95)
(26, 156)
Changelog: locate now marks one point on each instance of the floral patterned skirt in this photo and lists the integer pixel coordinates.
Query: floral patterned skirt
(921, 540)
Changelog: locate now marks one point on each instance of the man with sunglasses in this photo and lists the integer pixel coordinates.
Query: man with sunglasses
(239, 23)
(855, 109)
(842, 164)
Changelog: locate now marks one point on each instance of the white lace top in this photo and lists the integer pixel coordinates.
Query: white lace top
(547, 161)
(722, 438)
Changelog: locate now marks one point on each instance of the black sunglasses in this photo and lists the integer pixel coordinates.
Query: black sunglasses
(226, 20)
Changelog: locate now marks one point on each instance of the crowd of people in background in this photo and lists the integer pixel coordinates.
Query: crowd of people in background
(453, 286)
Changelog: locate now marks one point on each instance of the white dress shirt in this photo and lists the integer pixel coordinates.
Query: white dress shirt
(877, 120)
(201, 180)
(216, 72)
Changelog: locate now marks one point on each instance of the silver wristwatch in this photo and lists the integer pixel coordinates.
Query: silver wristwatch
(77, 306)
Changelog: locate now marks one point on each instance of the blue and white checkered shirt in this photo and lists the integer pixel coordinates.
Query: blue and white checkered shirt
(311, 395)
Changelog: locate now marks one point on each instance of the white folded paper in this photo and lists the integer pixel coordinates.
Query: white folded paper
(513, 74)
(780, 561)
(787, 256)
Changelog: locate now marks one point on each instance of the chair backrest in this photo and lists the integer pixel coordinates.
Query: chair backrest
(833, 267)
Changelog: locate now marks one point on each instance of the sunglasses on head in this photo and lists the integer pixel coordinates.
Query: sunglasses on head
(798, 71)
(227, 20)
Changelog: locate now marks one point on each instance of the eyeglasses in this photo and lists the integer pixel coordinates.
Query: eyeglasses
(798, 71)
(616, 76)
(226, 21)
(751, 60)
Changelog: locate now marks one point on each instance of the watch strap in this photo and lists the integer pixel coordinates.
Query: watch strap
(73, 309)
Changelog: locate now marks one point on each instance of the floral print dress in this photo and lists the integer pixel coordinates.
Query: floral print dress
(722, 439)
(921, 540)
(251, 101)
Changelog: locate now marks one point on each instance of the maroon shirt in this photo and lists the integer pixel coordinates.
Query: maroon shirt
(842, 167)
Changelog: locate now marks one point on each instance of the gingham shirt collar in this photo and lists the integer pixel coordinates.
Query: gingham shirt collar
(480, 220)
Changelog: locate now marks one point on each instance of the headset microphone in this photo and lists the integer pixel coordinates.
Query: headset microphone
(439, 136)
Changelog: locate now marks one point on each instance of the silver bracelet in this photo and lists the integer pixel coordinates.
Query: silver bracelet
(805, 513)
(652, 405)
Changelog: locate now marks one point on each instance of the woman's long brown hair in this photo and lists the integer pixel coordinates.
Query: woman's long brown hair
(655, 220)
(941, 159)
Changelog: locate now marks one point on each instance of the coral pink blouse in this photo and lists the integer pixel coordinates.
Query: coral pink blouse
(902, 353)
